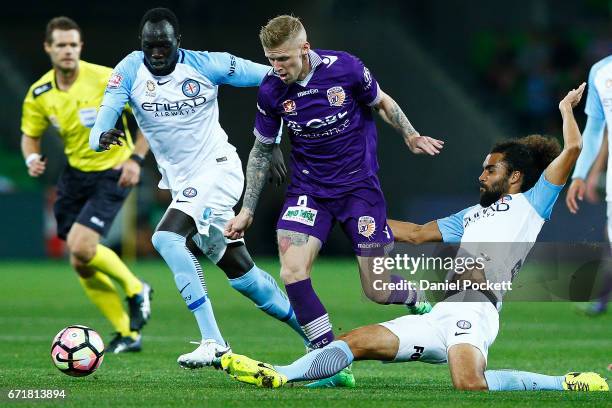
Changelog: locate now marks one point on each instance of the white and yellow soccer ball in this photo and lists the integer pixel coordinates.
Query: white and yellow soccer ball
(77, 350)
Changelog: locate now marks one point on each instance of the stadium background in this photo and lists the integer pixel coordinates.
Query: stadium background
(466, 74)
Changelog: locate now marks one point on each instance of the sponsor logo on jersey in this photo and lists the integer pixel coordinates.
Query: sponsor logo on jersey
(190, 192)
(87, 116)
(39, 90)
(181, 107)
(366, 226)
(289, 106)
(336, 96)
(232, 69)
(115, 80)
(301, 214)
(308, 92)
(464, 324)
(191, 88)
(329, 60)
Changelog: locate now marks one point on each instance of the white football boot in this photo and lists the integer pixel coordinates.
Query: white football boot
(208, 353)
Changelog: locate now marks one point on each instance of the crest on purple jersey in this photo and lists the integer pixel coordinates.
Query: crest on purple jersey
(289, 106)
(366, 226)
(336, 96)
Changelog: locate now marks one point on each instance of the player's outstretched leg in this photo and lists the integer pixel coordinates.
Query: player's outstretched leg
(189, 280)
(257, 285)
(511, 380)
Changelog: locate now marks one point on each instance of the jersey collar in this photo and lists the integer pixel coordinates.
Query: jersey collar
(315, 61)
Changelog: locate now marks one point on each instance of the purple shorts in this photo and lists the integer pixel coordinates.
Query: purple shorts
(361, 212)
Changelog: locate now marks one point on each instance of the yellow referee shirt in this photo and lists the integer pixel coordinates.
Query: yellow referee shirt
(73, 114)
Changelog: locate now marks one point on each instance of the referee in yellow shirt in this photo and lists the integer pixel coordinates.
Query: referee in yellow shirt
(92, 186)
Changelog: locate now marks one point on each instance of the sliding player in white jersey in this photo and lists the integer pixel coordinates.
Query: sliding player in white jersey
(520, 183)
(173, 94)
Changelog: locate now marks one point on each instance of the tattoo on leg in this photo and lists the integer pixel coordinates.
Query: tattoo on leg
(288, 238)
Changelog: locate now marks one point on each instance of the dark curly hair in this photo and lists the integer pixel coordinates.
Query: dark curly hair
(530, 155)
(155, 15)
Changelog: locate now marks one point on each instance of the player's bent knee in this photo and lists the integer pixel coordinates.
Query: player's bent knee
(377, 296)
(164, 240)
(293, 272)
(82, 250)
(473, 384)
(81, 267)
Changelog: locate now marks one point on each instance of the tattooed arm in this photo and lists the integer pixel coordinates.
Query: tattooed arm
(256, 175)
(391, 113)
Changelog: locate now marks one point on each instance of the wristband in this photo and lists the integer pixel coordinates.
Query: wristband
(138, 159)
(31, 157)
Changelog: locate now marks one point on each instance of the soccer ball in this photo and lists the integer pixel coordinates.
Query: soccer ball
(77, 351)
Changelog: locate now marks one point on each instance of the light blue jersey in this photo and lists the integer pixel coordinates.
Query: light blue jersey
(178, 113)
(502, 234)
(513, 218)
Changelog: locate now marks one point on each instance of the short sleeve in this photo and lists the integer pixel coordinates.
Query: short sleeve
(593, 105)
(34, 122)
(224, 68)
(451, 227)
(542, 196)
(267, 122)
(365, 87)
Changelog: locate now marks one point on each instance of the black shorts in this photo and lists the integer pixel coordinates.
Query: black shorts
(92, 199)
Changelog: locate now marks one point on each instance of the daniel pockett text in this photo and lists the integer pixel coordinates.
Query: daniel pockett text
(412, 264)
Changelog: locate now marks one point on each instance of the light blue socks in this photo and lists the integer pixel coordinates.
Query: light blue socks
(189, 280)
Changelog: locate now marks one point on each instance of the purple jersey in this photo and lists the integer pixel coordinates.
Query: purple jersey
(329, 118)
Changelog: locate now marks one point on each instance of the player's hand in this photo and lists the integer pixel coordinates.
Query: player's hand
(572, 98)
(37, 166)
(278, 170)
(111, 137)
(130, 174)
(424, 144)
(591, 189)
(576, 190)
(236, 227)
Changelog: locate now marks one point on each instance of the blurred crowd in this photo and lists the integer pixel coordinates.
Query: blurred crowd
(530, 71)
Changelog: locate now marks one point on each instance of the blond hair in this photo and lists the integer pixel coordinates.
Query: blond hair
(280, 30)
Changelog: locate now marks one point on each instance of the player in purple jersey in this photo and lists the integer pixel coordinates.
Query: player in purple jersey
(326, 98)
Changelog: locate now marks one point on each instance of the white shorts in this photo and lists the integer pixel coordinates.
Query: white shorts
(428, 337)
(209, 199)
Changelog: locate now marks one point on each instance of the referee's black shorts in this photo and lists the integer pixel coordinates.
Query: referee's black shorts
(92, 199)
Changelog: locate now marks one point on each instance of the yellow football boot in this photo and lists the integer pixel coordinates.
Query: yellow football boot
(584, 382)
(251, 371)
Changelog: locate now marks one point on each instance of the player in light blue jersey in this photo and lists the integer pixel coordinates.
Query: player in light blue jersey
(599, 121)
(520, 183)
(173, 94)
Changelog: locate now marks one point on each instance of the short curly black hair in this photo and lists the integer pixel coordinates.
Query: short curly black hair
(530, 155)
(157, 14)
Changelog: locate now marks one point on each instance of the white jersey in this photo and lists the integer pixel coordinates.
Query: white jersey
(178, 113)
(504, 232)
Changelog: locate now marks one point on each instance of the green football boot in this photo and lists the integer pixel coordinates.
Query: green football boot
(344, 378)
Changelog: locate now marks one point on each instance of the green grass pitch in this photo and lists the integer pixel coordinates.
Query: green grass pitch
(38, 299)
